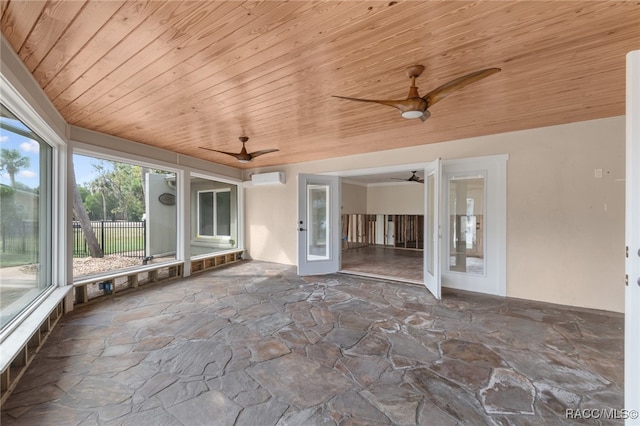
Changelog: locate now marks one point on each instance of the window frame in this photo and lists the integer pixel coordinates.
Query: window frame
(87, 142)
(215, 215)
(52, 208)
(101, 153)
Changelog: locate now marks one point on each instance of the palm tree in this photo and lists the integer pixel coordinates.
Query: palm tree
(12, 162)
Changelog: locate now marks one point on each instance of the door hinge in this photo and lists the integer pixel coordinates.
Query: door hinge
(626, 280)
(626, 251)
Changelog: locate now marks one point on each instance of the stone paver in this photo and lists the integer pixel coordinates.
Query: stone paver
(254, 344)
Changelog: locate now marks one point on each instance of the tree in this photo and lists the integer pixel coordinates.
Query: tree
(127, 189)
(84, 193)
(102, 186)
(85, 224)
(11, 161)
(97, 207)
(8, 212)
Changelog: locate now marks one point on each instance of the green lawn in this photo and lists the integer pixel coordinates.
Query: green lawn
(116, 240)
(17, 259)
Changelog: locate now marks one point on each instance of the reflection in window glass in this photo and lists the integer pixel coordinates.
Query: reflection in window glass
(125, 216)
(25, 216)
(223, 213)
(318, 231)
(431, 217)
(214, 217)
(205, 214)
(466, 224)
(214, 213)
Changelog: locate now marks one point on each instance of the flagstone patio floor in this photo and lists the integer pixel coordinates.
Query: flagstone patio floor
(254, 344)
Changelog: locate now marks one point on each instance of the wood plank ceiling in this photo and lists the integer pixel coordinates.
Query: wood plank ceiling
(182, 74)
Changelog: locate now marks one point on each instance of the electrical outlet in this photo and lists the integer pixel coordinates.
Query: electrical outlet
(598, 173)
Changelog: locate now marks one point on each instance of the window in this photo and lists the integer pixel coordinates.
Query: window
(25, 216)
(214, 216)
(125, 215)
(214, 213)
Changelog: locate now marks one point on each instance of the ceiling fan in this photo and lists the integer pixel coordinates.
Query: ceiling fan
(413, 178)
(418, 107)
(243, 156)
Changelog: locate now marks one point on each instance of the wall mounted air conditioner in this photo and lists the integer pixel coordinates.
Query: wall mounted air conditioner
(273, 178)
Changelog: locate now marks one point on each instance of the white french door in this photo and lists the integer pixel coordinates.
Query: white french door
(432, 235)
(632, 225)
(318, 224)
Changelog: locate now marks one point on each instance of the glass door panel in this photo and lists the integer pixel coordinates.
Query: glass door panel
(431, 216)
(318, 231)
(466, 224)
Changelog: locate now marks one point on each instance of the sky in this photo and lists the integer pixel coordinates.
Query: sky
(29, 148)
(85, 172)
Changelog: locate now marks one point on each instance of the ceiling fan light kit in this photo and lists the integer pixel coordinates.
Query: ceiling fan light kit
(412, 114)
(415, 106)
(243, 156)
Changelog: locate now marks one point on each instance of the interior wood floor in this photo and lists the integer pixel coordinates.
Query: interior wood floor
(402, 264)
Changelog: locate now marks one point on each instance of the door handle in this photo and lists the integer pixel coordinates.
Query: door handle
(301, 229)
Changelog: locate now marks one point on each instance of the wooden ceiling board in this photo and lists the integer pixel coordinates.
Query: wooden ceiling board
(192, 84)
(180, 75)
(227, 80)
(146, 74)
(152, 78)
(92, 16)
(134, 25)
(18, 20)
(53, 21)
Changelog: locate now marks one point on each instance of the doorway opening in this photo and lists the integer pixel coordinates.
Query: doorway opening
(383, 224)
(436, 224)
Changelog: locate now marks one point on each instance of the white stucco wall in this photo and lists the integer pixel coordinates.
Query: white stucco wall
(404, 198)
(354, 199)
(565, 228)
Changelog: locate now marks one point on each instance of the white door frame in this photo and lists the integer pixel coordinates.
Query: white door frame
(632, 237)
